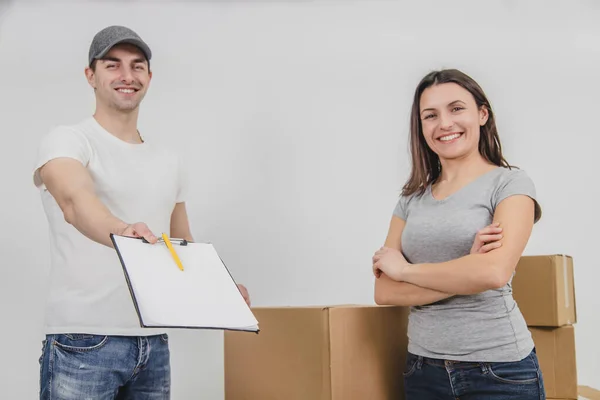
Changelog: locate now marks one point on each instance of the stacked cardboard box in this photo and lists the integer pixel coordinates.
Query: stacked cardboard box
(319, 353)
(358, 352)
(544, 289)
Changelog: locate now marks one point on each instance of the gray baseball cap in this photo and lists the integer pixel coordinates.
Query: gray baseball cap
(112, 35)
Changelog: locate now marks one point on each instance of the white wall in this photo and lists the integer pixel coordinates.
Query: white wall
(294, 118)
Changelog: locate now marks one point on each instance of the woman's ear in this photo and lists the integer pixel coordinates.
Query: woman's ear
(484, 115)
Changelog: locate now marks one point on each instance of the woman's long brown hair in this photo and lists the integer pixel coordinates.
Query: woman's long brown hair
(426, 165)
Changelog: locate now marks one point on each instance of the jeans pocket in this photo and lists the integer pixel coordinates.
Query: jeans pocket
(80, 342)
(411, 365)
(519, 373)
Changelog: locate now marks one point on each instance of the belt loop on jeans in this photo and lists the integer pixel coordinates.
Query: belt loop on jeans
(419, 362)
(484, 367)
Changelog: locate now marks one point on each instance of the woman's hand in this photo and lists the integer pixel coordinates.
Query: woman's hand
(392, 263)
(487, 239)
(389, 261)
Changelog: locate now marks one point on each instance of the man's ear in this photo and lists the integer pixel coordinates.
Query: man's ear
(90, 75)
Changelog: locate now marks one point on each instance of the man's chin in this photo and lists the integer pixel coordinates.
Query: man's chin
(126, 106)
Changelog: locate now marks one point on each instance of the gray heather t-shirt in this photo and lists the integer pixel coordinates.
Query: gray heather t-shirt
(484, 327)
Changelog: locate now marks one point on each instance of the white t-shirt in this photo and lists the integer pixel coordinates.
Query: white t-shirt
(138, 183)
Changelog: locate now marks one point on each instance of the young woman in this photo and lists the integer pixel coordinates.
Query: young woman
(467, 336)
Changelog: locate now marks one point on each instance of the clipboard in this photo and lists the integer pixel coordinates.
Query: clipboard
(203, 295)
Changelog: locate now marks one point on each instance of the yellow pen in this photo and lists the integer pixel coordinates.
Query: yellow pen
(172, 250)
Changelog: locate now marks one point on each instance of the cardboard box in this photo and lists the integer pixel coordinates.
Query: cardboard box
(556, 353)
(544, 289)
(584, 393)
(588, 393)
(319, 353)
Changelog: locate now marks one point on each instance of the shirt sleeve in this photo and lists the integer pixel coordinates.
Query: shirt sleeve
(401, 209)
(517, 182)
(61, 142)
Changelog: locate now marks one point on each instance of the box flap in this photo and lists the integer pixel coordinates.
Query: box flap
(368, 352)
(566, 308)
(289, 358)
(544, 290)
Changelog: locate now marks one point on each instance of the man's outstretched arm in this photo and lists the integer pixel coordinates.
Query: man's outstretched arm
(71, 185)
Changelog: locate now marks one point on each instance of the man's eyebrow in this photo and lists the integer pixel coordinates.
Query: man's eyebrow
(115, 59)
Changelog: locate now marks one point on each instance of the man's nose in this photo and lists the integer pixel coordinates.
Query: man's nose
(126, 75)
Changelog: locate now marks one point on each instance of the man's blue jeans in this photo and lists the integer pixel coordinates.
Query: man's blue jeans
(435, 379)
(81, 366)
